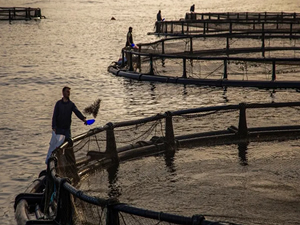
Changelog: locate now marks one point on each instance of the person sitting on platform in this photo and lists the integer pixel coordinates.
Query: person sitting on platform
(129, 39)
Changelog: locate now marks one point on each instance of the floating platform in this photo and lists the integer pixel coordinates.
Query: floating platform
(58, 197)
(20, 13)
(236, 60)
(246, 22)
(204, 82)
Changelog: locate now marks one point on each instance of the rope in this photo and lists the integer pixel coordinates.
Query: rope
(147, 132)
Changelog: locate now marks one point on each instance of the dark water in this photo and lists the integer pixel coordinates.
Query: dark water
(241, 184)
(73, 47)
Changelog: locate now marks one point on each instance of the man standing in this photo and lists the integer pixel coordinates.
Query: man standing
(192, 9)
(158, 16)
(62, 115)
(129, 39)
(158, 20)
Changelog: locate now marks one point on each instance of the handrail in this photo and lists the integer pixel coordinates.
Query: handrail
(250, 35)
(221, 58)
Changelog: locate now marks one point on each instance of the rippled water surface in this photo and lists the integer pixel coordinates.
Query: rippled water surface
(74, 46)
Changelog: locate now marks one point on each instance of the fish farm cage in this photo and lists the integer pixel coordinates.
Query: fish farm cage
(219, 49)
(257, 60)
(20, 13)
(243, 22)
(204, 151)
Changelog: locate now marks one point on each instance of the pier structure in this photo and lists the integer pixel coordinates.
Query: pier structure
(20, 13)
(244, 22)
(255, 60)
(82, 182)
(242, 49)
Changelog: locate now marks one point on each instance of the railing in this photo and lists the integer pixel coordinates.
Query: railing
(222, 38)
(226, 60)
(232, 25)
(19, 13)
(260, 16)
(67, 196)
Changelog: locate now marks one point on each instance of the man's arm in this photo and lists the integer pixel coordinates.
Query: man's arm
(78, 113)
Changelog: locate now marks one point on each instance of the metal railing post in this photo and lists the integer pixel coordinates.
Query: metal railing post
(151, 65)
(111, 146)
(227, 46)
(273, 70)
(130, 61)
(169, 133)
(184, 68)
(243, 130)
(225, 75)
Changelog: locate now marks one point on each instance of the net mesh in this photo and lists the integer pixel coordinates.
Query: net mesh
(224, 183)
(176, 57)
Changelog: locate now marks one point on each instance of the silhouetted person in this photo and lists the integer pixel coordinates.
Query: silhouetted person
(192, 9)
(158, 16)
(62, 114)
(129, 38)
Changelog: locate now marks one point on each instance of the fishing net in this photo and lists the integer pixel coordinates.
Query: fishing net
(225, 183)
(201, 58)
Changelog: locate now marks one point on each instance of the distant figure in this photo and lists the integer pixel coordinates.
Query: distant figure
(113, 18)
(62, 115)
(129, 38)
(158, 16)
(192, 9)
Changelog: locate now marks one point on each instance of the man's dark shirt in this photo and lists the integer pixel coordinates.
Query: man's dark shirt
(129, 36)
(62, 115)
(158, 17)
(192, 9)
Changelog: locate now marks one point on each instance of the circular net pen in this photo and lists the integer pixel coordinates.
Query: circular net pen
(231, 164)
(240, 22)
(217, 60)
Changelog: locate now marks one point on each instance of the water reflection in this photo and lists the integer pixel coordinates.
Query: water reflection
(243, 147)
(114, 189)
(184, 92)
(169, 160)
(272, 95)
(224, 94)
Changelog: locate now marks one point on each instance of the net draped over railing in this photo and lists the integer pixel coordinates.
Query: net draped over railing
(73, 191)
